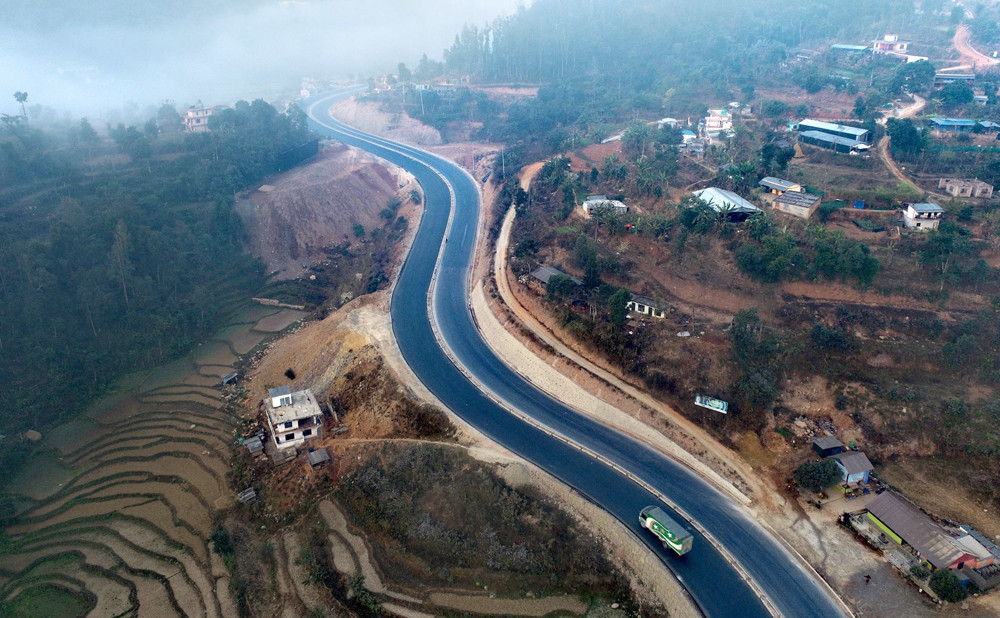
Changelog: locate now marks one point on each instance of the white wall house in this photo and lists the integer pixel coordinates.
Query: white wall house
(922, 216)
(196, 118)
(718, 120)
(645, 306)
(601, 202)
(292, 417)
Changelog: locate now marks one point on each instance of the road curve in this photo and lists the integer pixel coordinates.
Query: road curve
(434, 284)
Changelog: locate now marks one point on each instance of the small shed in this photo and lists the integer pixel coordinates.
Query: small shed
(826, 446)
(796, 203)
(230, 378)
(854, 466)
(544, 273)
(778, 186)
(318, 458)
(254, 445)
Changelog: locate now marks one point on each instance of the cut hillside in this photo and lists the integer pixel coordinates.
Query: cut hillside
(292, 223)
(370, 117)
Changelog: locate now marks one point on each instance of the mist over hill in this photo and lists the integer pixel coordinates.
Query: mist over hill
(87, 57)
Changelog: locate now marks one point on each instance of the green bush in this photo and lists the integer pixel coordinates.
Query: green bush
(919, 571)
(817, 475)
(945, 584)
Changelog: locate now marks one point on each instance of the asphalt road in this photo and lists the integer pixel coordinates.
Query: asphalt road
(712, 581)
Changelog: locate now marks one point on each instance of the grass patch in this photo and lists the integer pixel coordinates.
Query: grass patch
(436, 517)
(47, 600)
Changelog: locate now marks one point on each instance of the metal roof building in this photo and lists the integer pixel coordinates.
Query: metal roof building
(838, 130)
(721, 200)
(797, 204)
(953, 124)
(779, 185)
(544, 273)
(926, 208)
(827, 445)
(854, 465)
(903, 522)
(832, 142)
(318, 457)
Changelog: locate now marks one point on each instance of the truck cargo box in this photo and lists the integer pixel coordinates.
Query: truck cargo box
(667, 529)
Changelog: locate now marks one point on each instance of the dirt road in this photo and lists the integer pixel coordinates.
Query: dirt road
(974, 58)
(885, 154)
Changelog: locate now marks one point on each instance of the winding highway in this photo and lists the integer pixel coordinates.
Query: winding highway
(432, 292)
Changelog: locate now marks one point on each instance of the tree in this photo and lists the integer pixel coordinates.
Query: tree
(817, 475)
(592, 272)
(560, 285)
(404, 73)
(618, 305)
(906, 138)
(759, 224)
(22, 98)
(88, 136)
(150, 130)
(813, 83)
(120, 260)
(773, 108)
(956, 94)
(359, 230)
(945, 584)
(634, 138)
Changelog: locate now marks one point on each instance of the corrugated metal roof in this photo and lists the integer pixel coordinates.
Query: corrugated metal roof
(544, 273)
(253, 444)
(833, 139)
(956, 122)
(916, 529)
(854, 462)
(779, 184)
(720, 199)
(278, 392)
(825, 442)
(819, 125)
(797, 198)
(927, 207)
(645, 300)
(317, 457)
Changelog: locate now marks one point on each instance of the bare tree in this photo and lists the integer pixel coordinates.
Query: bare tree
(22, 98)
(119, 257)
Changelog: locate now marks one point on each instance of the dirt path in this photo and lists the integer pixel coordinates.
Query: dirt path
(974, 58)
(885, 154)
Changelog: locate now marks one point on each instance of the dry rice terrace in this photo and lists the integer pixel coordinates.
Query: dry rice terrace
(113, 521)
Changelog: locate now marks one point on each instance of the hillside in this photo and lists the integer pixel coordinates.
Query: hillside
(294, 222)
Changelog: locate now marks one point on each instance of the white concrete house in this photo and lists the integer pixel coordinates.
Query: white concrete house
(922, 217)
(292, 418)
(601, 202)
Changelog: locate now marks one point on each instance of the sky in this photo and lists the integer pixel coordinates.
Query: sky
(92, 56)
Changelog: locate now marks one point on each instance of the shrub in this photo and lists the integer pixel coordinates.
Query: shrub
(919, 571)
(945, 584)
(830, 338)
(816, 475)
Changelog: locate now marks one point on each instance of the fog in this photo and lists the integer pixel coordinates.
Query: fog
(93, 56)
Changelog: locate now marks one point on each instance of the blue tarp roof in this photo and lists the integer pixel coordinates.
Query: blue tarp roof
(959, 122)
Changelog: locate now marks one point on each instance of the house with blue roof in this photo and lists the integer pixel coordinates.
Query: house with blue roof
(952, 124)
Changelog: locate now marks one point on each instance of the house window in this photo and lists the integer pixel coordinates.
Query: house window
(288, 425)
(307, 432)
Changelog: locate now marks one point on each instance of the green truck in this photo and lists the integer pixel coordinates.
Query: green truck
(672, 534)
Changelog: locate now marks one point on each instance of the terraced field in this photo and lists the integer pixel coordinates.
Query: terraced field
(115, 519)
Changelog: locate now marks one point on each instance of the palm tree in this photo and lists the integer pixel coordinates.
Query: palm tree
(22, 98)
